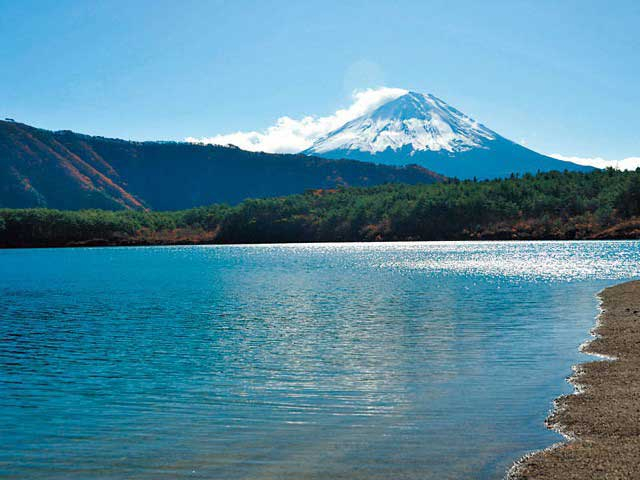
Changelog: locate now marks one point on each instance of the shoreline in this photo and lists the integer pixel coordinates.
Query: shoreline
(107, 244)
(600, 420)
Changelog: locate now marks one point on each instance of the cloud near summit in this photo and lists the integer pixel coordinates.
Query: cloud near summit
(629, 163)
(289, 135)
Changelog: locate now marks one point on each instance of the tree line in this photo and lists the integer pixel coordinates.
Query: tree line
(561, 205)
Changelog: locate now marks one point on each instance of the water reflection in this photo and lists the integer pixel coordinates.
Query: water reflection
(332, 361)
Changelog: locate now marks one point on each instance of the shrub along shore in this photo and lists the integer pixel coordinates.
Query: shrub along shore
(602, 204)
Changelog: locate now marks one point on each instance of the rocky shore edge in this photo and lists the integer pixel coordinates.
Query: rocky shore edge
(601, 420)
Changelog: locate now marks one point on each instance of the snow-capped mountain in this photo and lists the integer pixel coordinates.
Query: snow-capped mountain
(422, 121)
(424, 130)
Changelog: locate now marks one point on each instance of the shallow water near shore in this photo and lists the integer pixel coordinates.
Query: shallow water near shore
(325, 361)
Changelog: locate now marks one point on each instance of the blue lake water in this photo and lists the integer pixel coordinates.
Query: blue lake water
(329, 361)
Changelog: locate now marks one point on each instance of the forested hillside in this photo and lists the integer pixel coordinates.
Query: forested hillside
(600, 204)
(70, 171)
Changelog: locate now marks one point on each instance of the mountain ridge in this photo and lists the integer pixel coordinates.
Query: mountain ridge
(71, 171)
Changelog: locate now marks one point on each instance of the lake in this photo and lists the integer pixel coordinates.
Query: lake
(327, 361)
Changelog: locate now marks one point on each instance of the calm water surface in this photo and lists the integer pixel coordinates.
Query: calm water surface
(352, 361)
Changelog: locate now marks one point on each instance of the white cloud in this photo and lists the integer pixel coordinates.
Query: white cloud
(630, 163)
(289, 135)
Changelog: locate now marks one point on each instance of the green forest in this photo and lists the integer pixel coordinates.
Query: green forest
(553, 205)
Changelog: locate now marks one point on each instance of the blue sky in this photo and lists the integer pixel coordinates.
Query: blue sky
(560, 77)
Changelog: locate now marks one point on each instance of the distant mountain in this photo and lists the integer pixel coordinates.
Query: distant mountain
(424, 130)
(66, 170)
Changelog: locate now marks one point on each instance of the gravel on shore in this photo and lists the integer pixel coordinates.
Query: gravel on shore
(602, 420)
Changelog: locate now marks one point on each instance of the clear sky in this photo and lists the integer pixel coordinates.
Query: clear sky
(559, 76)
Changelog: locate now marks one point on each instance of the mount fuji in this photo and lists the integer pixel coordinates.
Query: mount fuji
(423, 130)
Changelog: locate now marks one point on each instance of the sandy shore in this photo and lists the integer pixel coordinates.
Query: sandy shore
(601, 421)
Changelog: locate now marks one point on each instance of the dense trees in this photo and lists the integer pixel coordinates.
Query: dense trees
(627, 201)
(546, 205)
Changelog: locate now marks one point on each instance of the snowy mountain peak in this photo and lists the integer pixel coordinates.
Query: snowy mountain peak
(413, 122)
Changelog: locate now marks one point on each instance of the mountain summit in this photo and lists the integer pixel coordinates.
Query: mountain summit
(424, 130)
(423, 122)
